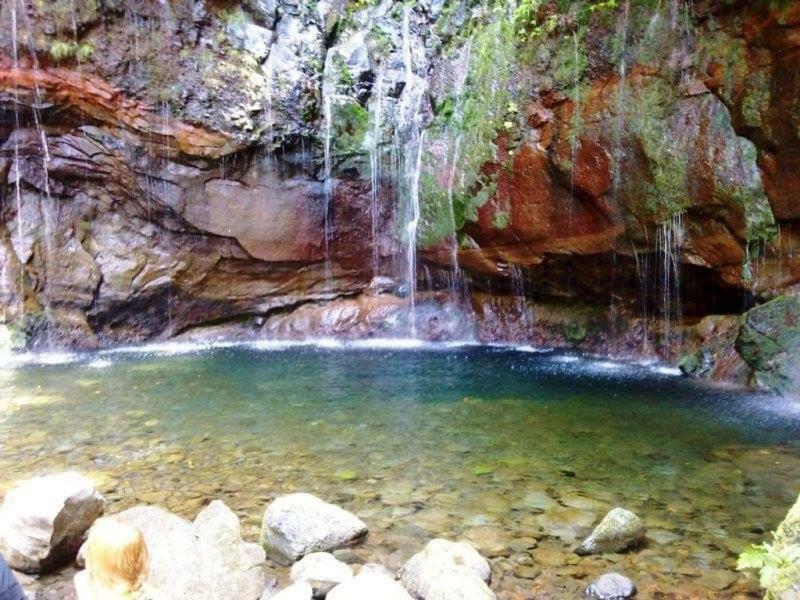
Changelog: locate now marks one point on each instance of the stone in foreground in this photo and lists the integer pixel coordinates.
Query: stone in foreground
(619, 530)
(611, 586)
(445, 570)
(204, 559)
(322, 571)
(297, 591)
(43, 521)
(298, 524)
(369, 585)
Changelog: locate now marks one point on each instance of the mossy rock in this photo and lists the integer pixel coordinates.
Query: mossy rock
(574, 333)
(12, 339)
(769, 341)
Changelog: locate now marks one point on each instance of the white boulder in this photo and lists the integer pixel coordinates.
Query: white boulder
(371, 584)
(204, 559)
(444, 569)
(322, 571)
(298, 524)
(43, 521)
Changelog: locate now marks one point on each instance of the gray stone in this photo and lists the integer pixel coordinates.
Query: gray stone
(322, 571)
(611, 586)
(455, 563)
(298, 524)
(43, 521)
(204, 559)
(369, 584)
(619, 530)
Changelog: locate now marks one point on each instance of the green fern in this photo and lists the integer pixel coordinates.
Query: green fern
(778, 567)
(753, 557)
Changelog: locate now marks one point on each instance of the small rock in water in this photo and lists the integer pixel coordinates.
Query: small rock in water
(346, 475)
(43, 521)
(611, 586)
(369, 584)
(298, 524)
(445, 570)
(322, 571)
(619, 530)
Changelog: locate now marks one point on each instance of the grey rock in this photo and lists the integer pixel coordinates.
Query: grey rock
(322, 571)
(443, 565)
(251, 38)
(298, 524)
(44, 520)
(611, 586)
(619, 530)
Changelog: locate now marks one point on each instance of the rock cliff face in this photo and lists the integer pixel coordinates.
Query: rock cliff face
(605, 173)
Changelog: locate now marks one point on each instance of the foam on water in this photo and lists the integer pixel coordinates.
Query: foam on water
(106, 357)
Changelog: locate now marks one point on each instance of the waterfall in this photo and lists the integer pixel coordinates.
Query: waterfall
(457, 280)
(327, 189)
(669, 242)
(374, 148)
(46, 204)
(410, 137)
(618, 150)
(17, 178)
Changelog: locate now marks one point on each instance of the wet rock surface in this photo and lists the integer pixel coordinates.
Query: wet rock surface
(193, 184)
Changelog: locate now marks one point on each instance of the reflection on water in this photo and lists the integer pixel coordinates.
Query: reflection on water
(519, 452)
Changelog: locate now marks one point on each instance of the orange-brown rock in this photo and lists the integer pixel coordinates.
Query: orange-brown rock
(92, 99)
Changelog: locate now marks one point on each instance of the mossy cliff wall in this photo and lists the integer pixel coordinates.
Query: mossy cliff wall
(163, 165)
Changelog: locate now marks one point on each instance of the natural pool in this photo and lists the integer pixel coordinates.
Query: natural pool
(519, 452)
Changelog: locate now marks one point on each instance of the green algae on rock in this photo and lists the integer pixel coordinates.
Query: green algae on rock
(769, 341)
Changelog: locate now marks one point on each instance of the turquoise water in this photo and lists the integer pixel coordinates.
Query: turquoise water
(519, 452)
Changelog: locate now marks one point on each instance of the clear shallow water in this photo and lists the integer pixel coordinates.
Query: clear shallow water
(519, 452)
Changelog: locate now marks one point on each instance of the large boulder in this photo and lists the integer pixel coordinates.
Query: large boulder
(769, 341)
(298, 524)
(204, 559)
(322, 571)
(43, 521)
(619, 530)
(369, 585)
(445, 570)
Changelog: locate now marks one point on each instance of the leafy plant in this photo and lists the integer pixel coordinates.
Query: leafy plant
(60, 50)
(778, 566)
